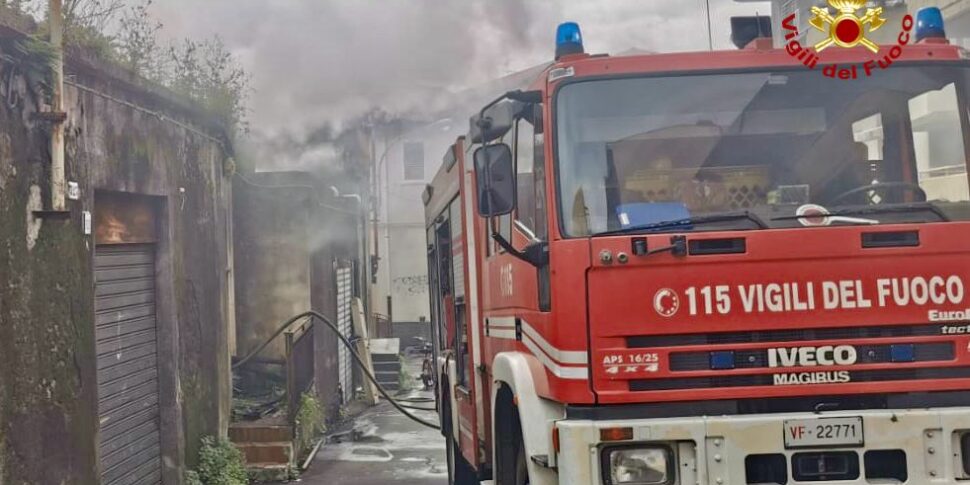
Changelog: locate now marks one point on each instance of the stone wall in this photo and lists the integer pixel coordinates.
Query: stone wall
(124, 137)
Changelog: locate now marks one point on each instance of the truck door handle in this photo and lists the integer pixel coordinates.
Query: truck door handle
(896, 239)
(734, 245)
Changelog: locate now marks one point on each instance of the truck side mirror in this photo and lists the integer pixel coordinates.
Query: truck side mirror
(495, 174)
(494, 122)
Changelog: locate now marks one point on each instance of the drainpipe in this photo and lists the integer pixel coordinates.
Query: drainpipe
(58, 184)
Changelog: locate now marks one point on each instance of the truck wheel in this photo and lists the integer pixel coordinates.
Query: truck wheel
(512, 465)
(459, 471)
(515, 466)
(521, 466)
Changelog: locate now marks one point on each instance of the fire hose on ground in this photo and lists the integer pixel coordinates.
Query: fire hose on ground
(403, 408)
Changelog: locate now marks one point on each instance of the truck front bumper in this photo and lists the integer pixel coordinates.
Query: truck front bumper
(721, 450)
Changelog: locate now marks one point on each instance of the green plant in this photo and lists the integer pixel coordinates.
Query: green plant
(220, 463)
(310, 423)
(192, 478)
(34, 57)
(124, 32)
(210, 74)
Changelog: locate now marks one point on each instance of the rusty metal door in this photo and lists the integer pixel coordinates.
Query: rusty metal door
(129, 445)
(345, 292)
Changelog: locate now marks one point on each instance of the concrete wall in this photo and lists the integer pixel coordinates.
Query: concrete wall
(289, 231)
(48, 407)
(411, 332)
(272, 255)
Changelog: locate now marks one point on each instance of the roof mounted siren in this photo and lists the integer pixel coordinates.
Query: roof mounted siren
(745, 30)
(929, 24)
(569, 40)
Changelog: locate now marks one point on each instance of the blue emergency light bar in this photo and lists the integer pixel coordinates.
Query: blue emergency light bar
(929, 24)
(569, 40)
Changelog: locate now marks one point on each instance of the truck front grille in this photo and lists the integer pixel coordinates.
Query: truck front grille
(868, 354)
(881, 375)
(879, 354)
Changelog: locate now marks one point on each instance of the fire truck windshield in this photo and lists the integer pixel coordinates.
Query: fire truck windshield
(644, 151)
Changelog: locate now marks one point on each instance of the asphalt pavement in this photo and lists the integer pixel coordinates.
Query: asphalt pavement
(384, 448)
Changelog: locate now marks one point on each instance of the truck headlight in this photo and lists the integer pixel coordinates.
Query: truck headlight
(647, 465)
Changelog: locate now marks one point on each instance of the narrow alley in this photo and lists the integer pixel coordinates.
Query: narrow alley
(383, 446)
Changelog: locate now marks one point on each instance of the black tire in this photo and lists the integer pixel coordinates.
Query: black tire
(459, 471)
(521, 465)
(512, 466)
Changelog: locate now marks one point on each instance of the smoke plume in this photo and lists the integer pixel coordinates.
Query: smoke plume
(318, 65)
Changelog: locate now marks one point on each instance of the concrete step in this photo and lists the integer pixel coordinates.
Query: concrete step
(255, 433)
(385, 358)
(387, 366)
(268, 472)
(279, 453)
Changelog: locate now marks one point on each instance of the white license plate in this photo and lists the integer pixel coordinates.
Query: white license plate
(809, 433)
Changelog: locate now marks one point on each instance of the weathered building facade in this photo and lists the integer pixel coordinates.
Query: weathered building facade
(297, 249)
(114, 315)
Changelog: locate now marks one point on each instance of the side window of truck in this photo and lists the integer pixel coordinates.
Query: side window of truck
(525, 173)
(530, 169)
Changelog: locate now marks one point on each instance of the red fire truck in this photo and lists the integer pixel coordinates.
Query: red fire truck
(710, 268)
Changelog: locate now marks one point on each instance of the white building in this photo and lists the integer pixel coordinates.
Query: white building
(407, 160)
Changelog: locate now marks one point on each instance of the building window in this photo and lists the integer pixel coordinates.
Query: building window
(413, 161)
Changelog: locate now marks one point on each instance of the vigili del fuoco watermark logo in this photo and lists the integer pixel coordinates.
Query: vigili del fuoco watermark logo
(846, 29)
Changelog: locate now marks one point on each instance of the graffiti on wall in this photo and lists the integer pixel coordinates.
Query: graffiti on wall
(411, 285)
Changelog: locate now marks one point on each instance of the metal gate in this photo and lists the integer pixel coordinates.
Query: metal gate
(345, 289)
(129, 446)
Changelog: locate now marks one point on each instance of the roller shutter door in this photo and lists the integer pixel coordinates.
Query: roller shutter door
(129, 446)
(345, 324)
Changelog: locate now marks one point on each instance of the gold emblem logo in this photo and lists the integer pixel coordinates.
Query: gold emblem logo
(846, 29)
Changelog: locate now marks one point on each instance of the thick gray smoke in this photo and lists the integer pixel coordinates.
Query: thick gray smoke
(319, 64)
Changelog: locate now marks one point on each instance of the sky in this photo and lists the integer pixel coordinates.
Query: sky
(322, 62)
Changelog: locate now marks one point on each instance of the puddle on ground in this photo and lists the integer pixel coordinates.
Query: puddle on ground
(367, 451)
(367, 438)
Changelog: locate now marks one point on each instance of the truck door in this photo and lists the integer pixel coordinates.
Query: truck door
(451, 313)
(464, 388)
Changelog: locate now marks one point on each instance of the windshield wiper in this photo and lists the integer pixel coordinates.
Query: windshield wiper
(877, 209)
(690, 221)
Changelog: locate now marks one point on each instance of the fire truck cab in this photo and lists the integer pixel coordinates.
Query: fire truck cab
(709, 268)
